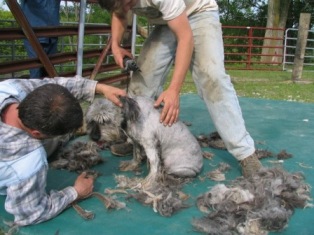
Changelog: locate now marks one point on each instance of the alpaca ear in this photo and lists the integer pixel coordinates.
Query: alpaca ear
(130, 109)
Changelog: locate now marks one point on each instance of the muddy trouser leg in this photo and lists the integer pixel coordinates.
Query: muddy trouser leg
(214, 85)
(155, 60)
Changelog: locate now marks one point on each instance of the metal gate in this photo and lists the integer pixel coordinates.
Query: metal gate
(291, 36)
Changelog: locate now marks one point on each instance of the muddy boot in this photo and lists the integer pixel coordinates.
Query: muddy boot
(122, 150)
(250, 165)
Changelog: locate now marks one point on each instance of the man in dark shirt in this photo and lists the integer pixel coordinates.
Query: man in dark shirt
(41, 13)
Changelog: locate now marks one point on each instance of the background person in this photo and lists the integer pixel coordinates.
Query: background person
(41, 13)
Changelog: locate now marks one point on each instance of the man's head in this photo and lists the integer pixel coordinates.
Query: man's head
(52, 110)
(110, 5)
(119, 7)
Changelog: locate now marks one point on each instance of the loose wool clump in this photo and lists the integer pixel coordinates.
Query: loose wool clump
(256, 205)
(165, 196)
(78, 157)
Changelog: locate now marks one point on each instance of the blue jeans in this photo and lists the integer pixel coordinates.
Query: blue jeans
(50, 48)
(207, 67)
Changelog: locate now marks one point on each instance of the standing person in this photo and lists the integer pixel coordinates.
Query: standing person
(41, 13)
(36, 117)
(188, 33)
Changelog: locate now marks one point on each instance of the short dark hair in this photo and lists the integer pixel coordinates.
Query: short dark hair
(52, 110)
(109, 5)
(112, 6)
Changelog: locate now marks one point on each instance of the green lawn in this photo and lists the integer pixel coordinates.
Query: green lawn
(275, 85)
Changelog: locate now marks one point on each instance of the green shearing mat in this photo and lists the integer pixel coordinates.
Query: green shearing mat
(274, 125)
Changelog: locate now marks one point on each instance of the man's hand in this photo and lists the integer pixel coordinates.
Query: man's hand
(118, 27)
(119, 53)
(111, 93)
(171, 109)
(84, 185)
(181, 28)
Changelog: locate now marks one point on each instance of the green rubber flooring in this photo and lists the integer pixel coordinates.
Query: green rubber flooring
(274, 125)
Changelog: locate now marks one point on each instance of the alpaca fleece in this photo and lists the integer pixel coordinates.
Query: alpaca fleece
(172, 150)
(255, 205)
(78, 157)
(164, 196)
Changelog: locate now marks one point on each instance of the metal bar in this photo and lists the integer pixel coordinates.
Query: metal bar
(251, 62)
(59, 58)
(133, 42)
(253, 46)
(247, 27)
(57, 31)
(104, 68)
(79, 65)
(285, 51)
(257, 69)
(249, 49)
(114, 78)
(252, 54)
(87, 71)
(253, 37)
(101, 59)
(30, 35)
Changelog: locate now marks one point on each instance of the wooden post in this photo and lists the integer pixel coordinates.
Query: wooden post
(303, 31)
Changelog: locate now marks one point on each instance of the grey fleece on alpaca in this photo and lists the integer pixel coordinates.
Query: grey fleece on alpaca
(173, 148)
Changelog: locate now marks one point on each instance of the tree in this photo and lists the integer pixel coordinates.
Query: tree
(276, 22)
(262, 13)
(242, 12)
(296, 8)
(282, 14)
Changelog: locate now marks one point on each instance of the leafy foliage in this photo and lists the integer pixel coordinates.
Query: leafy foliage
(254, 12)
(297, 7)
(243, 13)
(98, 15)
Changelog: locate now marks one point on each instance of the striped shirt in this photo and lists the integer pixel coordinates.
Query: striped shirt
(26, 196)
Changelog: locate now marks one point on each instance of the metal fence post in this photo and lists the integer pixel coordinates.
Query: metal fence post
(80, 44)
(249, 49)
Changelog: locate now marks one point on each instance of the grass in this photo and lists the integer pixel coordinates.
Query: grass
(276, 85)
